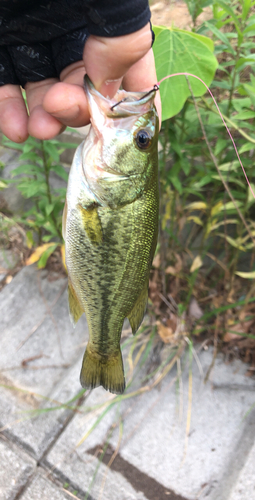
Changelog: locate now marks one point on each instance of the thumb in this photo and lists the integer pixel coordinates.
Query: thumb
(108, 59)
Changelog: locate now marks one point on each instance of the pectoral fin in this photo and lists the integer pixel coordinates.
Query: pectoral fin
(75, 309)
(92, 224)
(135, 317)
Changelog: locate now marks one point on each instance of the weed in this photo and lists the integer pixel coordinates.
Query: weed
(38, 162)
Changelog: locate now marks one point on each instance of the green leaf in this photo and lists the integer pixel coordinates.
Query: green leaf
(249, 28)
(229, 179)
(157, 29)
(12, 145)
(202, 182)
(234, 243)
(220, 145)
(60, 171)
(49, 208)
(27, 169)
(47, 237)
(230, 205)
(3, 184)
(239, 104)
(177, 184)
(248, 146)
(219, 35)
(182, 51)
(51, 150)
(229, 166)
(221, 85)
(33, 157)
(250, 191)
(244, 115)
(247, 61)
(32, 188)
(230, 12)
(248, 276)
(46, 254)
(246, 8)
(67, 145)
(30, 239)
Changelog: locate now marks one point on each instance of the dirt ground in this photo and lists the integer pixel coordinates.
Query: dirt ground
(176, 13)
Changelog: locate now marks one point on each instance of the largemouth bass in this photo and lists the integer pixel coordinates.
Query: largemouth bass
(110, 227)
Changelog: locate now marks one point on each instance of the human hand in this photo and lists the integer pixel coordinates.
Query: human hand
(54, 104)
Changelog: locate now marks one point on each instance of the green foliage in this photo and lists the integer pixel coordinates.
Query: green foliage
(198, 216)
(38, 161)
(178, 51)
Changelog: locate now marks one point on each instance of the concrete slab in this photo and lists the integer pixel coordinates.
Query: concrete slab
(79, 466)
(38, 342)
(245, 486)
(35, 423)
(8, 260)
(154, 439)
(11, 197)
(41, 488)
(15, 470)
(238, 477)
(47, 365)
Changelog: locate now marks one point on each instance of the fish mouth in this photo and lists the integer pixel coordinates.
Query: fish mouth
(123, 103)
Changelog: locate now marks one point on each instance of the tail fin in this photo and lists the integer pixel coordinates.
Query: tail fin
(108, 372)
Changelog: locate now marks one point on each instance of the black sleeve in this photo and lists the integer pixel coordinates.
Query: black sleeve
(117, 17)
(33, 21)
(38, 39)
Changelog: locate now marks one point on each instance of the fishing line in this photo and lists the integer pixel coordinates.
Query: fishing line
(219, 111)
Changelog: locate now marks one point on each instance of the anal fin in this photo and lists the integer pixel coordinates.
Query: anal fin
(75, 309)
(135, 317)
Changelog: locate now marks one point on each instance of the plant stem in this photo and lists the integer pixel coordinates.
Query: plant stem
(161, 232)
(46, 173)
(233, 82)
(217, 168)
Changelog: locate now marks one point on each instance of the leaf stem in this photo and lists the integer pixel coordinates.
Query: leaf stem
(46, 174)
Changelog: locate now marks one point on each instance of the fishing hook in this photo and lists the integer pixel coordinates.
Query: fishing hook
(155, 87)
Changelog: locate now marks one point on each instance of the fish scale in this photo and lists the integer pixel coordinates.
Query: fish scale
(110, 228)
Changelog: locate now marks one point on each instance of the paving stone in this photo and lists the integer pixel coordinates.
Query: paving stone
(25, 420)
(237, 481)
(77, 465)
(245, 486)
(29, 329)
(11, 196)
(53, 353)
(155, 442)
(8, 260)
(154, 437)
(15, 470)
(41, 488)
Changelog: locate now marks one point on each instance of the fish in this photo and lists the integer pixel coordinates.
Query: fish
(110, 227)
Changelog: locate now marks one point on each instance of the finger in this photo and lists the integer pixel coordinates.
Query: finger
(142, 76)
(41, 124)
(66, 100)
(13, 113)
(108, 59)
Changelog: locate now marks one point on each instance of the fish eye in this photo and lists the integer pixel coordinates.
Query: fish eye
(143, 139)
